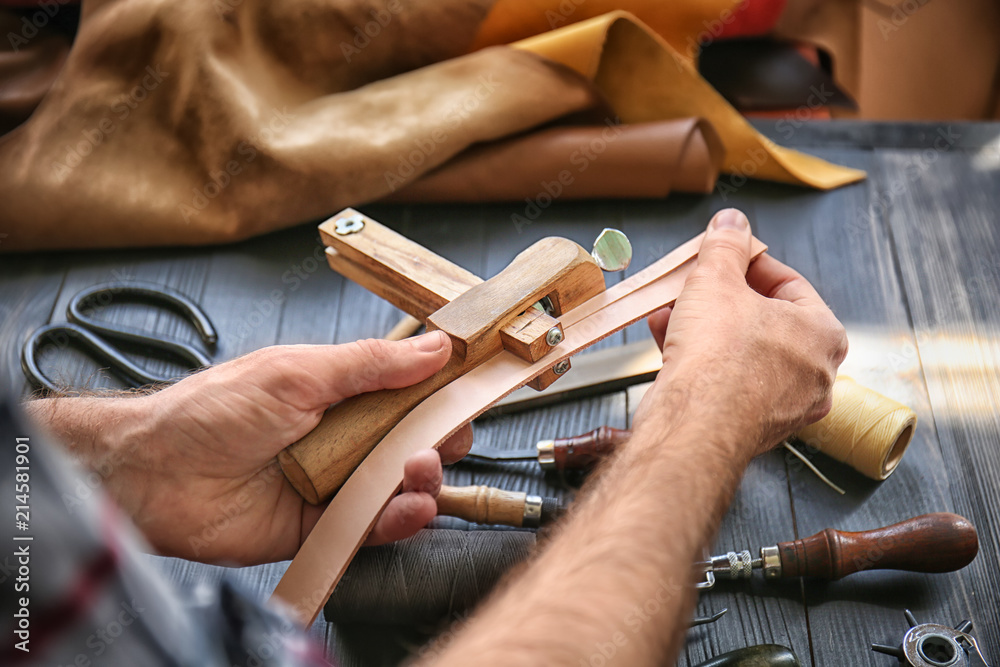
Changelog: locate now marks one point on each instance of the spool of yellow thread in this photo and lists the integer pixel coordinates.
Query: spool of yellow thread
(866, 430)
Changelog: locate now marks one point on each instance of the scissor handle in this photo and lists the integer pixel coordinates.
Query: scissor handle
(156, 294)
(62, 335)
(89, 333)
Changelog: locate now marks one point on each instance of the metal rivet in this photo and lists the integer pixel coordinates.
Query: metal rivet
(561, 367)
(350, 225)
(554, 336)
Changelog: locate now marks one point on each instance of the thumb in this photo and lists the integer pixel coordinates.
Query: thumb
(726, 247)
(370, 365)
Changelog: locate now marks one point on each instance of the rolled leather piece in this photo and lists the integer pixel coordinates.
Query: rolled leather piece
(643, 160)
(644, 79)
(427, 578)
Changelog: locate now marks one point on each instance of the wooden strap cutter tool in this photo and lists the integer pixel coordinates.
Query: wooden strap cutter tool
(517, 310)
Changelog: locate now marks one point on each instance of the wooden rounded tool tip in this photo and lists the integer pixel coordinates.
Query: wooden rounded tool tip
(297, 476)
(966, 537)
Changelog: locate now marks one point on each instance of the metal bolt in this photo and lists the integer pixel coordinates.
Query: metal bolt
(350, 225)
(554, 336)
(612, 250)
(561, 367)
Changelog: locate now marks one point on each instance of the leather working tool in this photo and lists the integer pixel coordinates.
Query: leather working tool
(939, 542)
(91, 333)
(577, 453)
(336, 537)
(514, 311)
(933, 645)
(762, 655)
(487, 505)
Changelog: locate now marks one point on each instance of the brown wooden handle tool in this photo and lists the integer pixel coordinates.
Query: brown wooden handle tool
(488, 505)
(482, 318)
(939, 542)
(582, 451)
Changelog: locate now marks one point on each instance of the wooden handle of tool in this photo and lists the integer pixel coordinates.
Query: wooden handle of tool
(482, 504)
(584, 451)
(320, 463)
(938, 542)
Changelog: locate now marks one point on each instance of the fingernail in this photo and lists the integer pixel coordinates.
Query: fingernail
(432, 341)
(730, 218)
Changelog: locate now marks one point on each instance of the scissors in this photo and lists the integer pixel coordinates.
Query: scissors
(92, 335)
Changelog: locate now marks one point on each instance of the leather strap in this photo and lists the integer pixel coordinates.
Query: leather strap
(314, 572)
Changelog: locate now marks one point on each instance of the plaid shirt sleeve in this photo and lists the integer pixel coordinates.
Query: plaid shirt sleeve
(75, 590)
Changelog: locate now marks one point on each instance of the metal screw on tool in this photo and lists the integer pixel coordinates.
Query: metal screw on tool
(561, 367)
(350, 225)
(554, 336)
(612, 250)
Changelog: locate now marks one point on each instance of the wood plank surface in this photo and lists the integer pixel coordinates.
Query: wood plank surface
(950, 273)
(907, 259)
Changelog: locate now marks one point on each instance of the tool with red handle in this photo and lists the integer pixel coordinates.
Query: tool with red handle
(939, 542)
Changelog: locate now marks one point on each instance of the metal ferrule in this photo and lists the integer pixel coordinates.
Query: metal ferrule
(547, 454)
(771, 562)
(733, 565)
(532, 512)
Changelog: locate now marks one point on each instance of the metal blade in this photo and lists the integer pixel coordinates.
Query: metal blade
(488, 453)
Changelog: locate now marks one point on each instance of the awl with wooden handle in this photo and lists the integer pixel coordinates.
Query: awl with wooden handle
(939, 542)
(576, 453)
(487, 505)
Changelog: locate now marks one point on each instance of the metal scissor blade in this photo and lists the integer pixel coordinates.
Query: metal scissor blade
(487, 453)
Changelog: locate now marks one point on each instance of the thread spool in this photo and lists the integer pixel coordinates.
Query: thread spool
(866, 430)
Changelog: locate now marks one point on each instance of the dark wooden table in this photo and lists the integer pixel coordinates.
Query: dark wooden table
(907, 259)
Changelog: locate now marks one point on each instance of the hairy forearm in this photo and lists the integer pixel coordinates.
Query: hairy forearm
(617, 581)
(109, 436)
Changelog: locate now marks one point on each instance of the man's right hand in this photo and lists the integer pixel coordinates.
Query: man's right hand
(756, 346)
